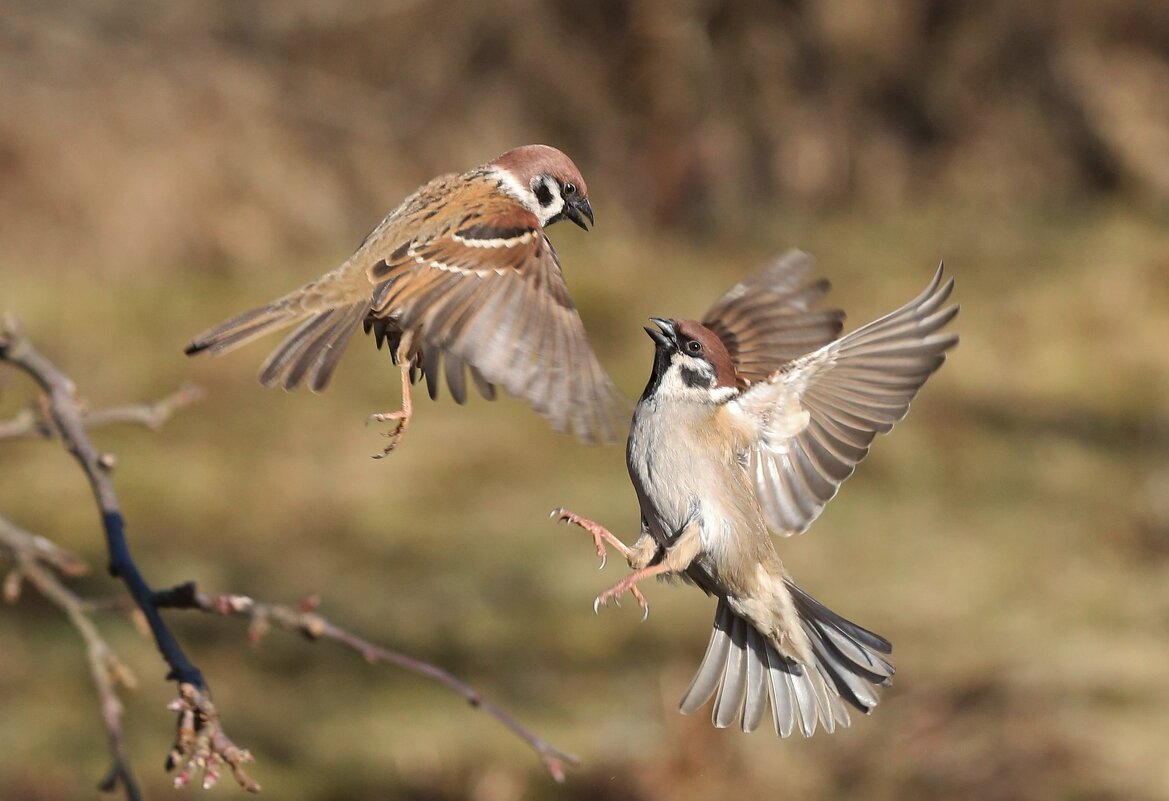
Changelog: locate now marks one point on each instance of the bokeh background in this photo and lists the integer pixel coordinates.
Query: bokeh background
(165, 165)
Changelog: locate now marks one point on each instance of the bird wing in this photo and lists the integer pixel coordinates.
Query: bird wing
(767, 321)
(328, 309)
(485, 290)
(814, 419)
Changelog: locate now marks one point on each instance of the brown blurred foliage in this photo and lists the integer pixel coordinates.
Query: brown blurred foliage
(223, 130)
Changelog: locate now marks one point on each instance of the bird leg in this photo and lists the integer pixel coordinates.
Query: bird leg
(684, 549)
(638, 557)
(601, 535)
(402, 415)
(629, 584)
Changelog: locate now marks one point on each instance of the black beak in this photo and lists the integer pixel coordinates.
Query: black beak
(666, 337)
(577, 211)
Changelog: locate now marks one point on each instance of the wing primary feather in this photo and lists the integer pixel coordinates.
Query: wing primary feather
(327, 361)
(276, 363)
(303, 361)
(847, 392)
(456, 378)
(431, 355)
(485, 387)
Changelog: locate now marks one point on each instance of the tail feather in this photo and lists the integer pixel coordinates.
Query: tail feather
(756, 704)
(732, 690)
(743, 669)
(710, 673)
(311, 351)
(783, 707)
(810, 607)
(243, 328)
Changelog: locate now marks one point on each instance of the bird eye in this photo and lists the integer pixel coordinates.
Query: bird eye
(570, 188)
(694, 346)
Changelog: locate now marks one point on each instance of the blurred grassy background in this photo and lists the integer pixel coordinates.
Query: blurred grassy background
(164, 167)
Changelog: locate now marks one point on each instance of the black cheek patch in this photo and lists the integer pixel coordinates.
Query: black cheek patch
(543, 194)
(695, 379)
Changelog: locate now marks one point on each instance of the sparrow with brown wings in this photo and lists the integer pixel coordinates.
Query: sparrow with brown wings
(460, 278)
(750, 421)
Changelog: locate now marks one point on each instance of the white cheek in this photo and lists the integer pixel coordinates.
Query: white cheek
(674, 387)
(528, 198)
(520, 192)
(723, 394)
(690, 363)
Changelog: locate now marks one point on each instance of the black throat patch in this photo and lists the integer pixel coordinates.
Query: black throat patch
(661, 364)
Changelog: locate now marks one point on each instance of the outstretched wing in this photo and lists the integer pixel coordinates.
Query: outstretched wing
(487, 293)
(816, 417)
(767, 321)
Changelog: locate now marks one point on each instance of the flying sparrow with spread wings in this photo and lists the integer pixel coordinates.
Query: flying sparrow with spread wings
(461, 272)
(750, 421)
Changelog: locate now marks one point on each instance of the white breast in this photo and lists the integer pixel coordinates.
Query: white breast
(678, 481)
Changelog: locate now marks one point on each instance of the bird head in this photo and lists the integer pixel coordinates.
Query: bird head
(546, 182)
(690, 361)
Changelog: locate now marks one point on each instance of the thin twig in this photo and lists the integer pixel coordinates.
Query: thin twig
(32, 547)
(305, 620)
(34, 560)
(200, 743)
(26, 424)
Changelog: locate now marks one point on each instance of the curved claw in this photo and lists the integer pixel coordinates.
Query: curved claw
(395, 435)
(645, 613)
(604, 559)
(597, 605)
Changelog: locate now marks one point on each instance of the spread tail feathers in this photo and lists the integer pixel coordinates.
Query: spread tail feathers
(743, 670)
(311, 351)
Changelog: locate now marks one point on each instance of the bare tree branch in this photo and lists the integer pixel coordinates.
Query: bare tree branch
(201, 746)
(34, 560)
(306, 621)
(200, 743)
(27, 547)
(29, 425)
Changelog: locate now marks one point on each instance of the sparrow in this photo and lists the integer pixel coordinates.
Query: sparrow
(459, 278)
(749, 423)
